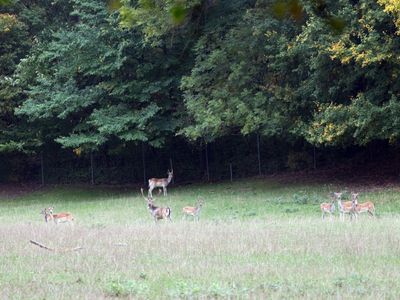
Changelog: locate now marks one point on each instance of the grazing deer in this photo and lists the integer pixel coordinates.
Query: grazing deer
(368, 206)
(347, 207)
(160, 182)
(328, 208)
(193, 211)
(158, 213)
(57, 218)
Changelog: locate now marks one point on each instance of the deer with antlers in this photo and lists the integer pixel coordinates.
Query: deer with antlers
(193, 211)
(158, 213)
(64, 217)
(367, 207)
(160, 182)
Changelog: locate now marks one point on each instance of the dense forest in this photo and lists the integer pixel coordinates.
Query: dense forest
(114, 92)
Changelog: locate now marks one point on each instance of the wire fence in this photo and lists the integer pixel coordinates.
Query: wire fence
(225, 159)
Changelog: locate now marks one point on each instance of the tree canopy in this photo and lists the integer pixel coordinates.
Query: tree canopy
(86, 74)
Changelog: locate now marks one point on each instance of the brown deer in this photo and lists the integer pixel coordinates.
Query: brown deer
(193, 211)
(158, 213)
(160, 182)
(348, 207)
(63, 217)
(368, 206)
(328, 208)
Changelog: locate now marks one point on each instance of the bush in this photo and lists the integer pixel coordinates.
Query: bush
(126, 287)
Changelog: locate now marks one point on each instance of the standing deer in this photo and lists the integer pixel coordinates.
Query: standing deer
(57, 218)
(194, 211)
(347, 207)
(158, 213)
(328, 208)
(160, 182)
(368, 206)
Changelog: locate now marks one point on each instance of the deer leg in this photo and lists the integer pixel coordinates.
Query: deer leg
(165, 190)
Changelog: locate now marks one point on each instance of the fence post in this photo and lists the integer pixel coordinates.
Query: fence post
(91, 168)
(207, 168)
(315, 160)
(42, 167)
(144, 165)
(258, 155)
(172, 169)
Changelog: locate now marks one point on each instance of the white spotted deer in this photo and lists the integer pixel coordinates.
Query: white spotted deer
(347, 207)
(193, 211)
(328, 208)
(64, 217)
(160, 182)
(360, 208)
(158, 213)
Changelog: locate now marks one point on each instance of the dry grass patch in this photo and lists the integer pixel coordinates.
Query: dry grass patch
(298, 257)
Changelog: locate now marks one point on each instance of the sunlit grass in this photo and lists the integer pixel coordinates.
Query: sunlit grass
(256, 238)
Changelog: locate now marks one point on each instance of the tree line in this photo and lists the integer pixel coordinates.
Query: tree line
(84, 77)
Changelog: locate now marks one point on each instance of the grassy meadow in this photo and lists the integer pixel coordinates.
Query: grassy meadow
(258, 238)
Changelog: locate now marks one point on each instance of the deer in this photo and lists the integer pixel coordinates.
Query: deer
(368, 206)
(160, 182)
(347, 207)
(57, 218)
(158, 213)
(193, 211)
(328, 208)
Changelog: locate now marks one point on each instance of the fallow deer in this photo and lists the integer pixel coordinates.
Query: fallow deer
(63, 217)
(160, 182)
(347, 207)
(328, 208)
(194, 211)
(158, 213)
(368, 206)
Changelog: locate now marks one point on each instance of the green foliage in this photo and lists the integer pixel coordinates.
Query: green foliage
(98, 74)
(157, 19)
(123, 288)
(5, 2)
(98, 81)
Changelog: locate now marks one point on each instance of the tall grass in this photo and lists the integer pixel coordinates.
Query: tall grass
(255, 239)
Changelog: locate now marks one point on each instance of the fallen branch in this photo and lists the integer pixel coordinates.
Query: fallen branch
(41, 245)
(55, 250)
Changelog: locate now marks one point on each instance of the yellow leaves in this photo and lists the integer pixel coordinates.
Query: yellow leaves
(330, 124)
(326, 132)
(331, 131)
(392, 7)
(7, 22)
(77, 151)
(361, 54)
(337, 47)
(340, 51)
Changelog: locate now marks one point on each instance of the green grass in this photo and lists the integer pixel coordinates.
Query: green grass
(255, 239)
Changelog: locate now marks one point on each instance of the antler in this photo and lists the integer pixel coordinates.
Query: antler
(148, 198)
